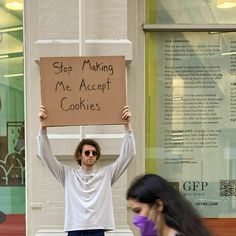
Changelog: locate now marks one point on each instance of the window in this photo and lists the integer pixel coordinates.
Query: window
(12, 146)
(191, 103)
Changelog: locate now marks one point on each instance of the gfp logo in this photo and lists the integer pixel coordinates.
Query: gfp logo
(195, 186)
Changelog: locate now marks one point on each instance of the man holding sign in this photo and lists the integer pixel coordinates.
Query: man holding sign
(88, 193)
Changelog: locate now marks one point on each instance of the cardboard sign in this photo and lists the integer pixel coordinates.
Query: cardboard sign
(83, 90)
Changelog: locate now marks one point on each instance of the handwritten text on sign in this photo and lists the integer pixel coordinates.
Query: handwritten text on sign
(83, 90)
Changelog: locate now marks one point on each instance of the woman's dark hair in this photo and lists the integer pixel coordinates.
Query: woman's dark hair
(79, 149)
(178, 211)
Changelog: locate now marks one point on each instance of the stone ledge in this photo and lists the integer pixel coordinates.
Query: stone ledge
(57, 48)
(56, 232)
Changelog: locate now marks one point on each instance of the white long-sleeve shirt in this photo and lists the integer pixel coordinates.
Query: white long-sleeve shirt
(88, 195)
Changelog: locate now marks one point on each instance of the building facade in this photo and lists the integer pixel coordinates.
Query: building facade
(180, 72)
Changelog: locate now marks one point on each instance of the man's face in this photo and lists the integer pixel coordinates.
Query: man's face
(88, 156)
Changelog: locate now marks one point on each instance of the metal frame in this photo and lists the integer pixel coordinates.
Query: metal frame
(189, 28)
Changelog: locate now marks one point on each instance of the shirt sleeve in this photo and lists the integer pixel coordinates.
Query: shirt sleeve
(46, 155)
(127, 153)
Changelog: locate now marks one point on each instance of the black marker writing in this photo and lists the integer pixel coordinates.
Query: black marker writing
(64, 87)
(83, 104)
(94, 87)
(60, 68)
(98, 67)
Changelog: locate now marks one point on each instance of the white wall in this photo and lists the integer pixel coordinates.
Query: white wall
(52, 29)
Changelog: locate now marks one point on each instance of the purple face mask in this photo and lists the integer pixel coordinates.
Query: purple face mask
(146, 226)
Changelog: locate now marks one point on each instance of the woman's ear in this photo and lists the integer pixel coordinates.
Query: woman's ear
(159, 205)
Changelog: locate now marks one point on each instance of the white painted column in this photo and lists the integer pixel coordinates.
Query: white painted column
(52, 29)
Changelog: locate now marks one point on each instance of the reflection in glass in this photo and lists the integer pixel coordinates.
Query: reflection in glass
(190, 12)
(191, 107)
(12, 143)
(226, 3)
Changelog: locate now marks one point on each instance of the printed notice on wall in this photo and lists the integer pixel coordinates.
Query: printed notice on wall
(196, 118)
(83, 90)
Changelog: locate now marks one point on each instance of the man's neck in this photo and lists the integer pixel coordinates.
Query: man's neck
(87, 168)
